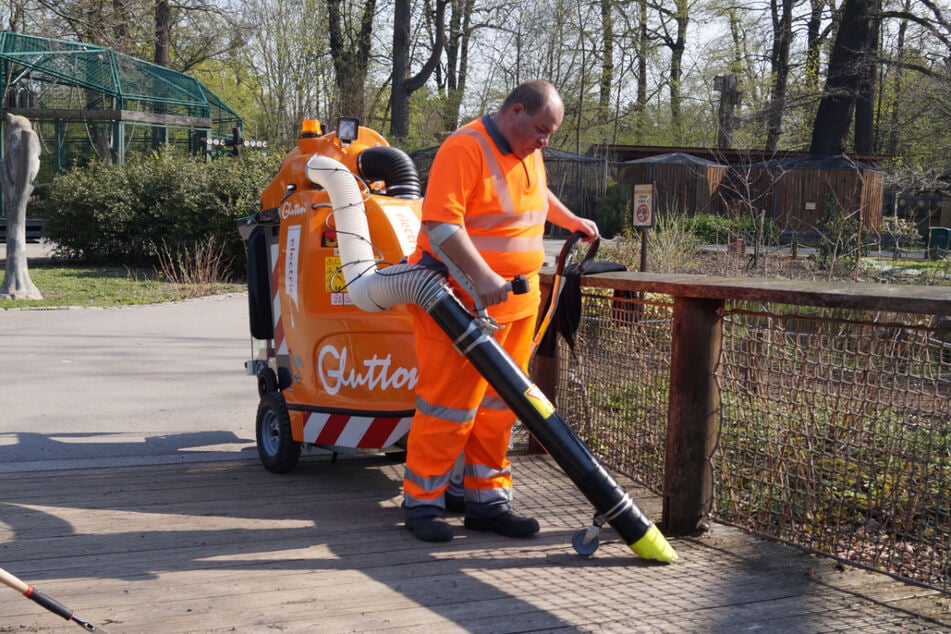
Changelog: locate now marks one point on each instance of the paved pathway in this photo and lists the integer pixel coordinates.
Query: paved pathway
(113, 386)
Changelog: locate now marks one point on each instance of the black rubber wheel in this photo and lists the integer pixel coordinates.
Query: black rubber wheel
(267, 382)
(277, 449)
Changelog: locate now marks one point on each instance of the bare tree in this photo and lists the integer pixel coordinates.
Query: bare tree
(673, 33)
(852, 52)
(461, 29)
(816, 35)
(350, 29)
(781, 14)
(177, 34)
(606, 81)
(122, 26)
(745, 192)
(288, 67)
(643, 46)
(402, 86)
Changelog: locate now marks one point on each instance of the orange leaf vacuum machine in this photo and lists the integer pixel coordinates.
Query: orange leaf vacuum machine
(332, 340)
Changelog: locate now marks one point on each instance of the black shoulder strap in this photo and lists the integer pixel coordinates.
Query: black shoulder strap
(568, 312)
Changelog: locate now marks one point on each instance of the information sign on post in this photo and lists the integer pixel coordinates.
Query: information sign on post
(642, 216)
(643, 206)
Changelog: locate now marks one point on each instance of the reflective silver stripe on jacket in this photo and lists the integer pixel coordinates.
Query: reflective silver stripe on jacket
(526, 219)
(508, 217)
(501, 185)
(492, 243)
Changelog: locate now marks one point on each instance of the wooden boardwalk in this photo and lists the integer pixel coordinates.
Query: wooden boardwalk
(228, 547)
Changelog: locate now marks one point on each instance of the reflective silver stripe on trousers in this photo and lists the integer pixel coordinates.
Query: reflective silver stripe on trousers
(451, 414)
(484, 472)
(432, 483)
(489, 497)
(493, 402)
(499, 497)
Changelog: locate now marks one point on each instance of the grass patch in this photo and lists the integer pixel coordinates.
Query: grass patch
(918, 271)
(103, 286)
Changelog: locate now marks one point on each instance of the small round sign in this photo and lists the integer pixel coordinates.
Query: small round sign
(642, 213)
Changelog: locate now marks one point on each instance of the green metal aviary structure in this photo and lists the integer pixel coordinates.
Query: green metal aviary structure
(87, 102)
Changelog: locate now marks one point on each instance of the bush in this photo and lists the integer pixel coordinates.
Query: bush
(842, 241)
(129, 214)
(716, 229)
(900, 232)
(614, 214)
(671, 247)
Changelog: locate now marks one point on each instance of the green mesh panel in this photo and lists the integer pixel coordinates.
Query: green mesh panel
(58, 75)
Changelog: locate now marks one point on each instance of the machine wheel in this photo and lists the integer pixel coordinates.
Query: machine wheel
(277, 449)
(582, 544)
(267, 382)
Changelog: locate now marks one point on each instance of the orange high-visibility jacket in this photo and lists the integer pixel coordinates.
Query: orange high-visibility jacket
(501, 200)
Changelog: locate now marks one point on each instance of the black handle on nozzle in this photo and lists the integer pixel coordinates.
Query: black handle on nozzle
(518, 285)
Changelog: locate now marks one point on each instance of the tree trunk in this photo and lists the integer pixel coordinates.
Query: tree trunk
(779, 65)
(403, 86)
(350, 52)
(852, 51)
(677, 45)
(457, 60)
(17, 173)
(640, 100)
(163, 33)
(898, 87)
(865, 100)
(814, 37)
(607, 57)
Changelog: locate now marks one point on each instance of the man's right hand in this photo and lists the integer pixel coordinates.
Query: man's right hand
(492, 288)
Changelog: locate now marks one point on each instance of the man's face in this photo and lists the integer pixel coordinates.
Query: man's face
(529, 133)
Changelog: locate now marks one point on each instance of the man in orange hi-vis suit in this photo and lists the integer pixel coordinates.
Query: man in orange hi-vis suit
(485, 209)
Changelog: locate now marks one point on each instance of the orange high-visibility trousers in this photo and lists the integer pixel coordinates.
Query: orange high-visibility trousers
(458, 411)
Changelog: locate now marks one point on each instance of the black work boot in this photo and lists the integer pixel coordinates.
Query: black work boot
(455, 503)
(430, 529)
(507, 524)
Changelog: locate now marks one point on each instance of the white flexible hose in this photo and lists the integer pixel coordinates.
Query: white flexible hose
(370, 289)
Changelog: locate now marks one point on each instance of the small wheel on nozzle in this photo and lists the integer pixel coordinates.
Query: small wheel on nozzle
(585, 541)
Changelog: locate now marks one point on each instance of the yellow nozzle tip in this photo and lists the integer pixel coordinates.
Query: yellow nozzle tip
(653, 545)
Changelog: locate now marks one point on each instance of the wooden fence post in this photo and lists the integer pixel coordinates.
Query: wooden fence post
(693, 414)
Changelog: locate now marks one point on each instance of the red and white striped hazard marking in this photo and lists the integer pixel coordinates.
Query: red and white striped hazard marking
(361, 432)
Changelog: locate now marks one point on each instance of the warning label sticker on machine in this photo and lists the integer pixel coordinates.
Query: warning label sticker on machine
(539, 401)
(341, 299)
(334, 281)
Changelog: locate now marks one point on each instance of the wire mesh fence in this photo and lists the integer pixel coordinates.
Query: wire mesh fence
(834, 425)
(613, 387)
